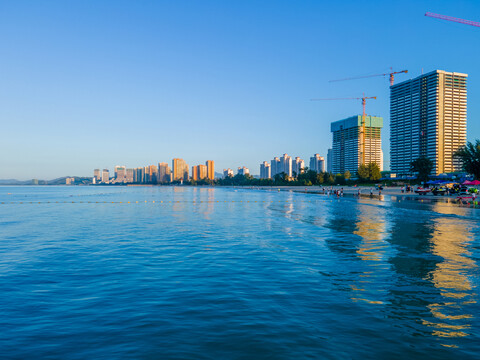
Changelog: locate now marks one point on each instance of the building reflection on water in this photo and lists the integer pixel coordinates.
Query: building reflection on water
(433, 266)
(412, 260)
(365, 255)
(371, 227)
(450, 240)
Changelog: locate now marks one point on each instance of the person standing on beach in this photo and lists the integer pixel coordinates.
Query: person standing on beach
(371, 191)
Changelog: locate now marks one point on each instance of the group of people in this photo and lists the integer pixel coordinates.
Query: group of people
(335, 192)
(407, 189)
(339, 192)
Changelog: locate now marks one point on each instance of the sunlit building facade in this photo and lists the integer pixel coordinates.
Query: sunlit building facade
(265, 170)
(120, 173)
(298, 165)
(317, 163)
(163, 173)
(428, 117)
(179, 169)
(346, 146)
(210, 169)
(105, 176)
(227, 173)
(242, 170)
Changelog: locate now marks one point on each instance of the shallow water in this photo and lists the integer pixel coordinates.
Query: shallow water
(203, 273)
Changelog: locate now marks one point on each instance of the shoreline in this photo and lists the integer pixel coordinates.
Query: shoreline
(393, 192)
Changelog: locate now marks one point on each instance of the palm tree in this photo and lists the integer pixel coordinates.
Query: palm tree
(470, 156)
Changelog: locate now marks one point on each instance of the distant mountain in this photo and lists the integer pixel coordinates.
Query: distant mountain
(77, 180)
(13, 182)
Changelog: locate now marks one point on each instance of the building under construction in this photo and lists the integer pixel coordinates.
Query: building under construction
(346, 146)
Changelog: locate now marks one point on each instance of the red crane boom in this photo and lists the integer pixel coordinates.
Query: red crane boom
(454, 19)
(391, 76)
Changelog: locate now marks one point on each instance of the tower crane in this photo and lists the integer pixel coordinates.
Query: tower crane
(390, 74)
(451, 18)
(362, 127)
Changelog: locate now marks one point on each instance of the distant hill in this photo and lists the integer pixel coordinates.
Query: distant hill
(14, 182)
(77, 180)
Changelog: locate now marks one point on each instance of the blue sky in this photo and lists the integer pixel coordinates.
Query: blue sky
(94, 84)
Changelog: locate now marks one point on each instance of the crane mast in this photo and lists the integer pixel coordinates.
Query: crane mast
(362, 126)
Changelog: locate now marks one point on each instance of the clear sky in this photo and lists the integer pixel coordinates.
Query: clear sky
(94, 84)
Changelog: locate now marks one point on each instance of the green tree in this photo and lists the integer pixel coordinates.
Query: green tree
(423, 166)
(347, 175)
(362, 172)
(320, 178)
(470, 156)
(374, 173)
(330, 179)
(340, 179)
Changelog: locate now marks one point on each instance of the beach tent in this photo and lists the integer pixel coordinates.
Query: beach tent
(466, 182)
(475, 182)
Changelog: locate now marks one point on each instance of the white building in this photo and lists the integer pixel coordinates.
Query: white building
(105, 176)
(227, 173)
(317, 163)
(120, 173)
(275, 167)
(329, 160)
(243, 170)
(265, 170)
(298, 166)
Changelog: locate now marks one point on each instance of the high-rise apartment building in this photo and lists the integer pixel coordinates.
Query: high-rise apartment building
(120, 173)
(275, 166)
(227, 173)
(105, 176)
(346, 145)
(163, 173)
(210, 169)
(329, 160)
(97, 174)
(317, 163)
(129, 176)
(428, 117)
(195, 172)
(265, 170)
(286, 164)
(202, 172)
(242, 170)
(298, 165)
(180, 169)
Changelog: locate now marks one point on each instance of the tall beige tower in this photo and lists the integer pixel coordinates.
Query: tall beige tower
(210, 169)
(428, 117)
(179, 169)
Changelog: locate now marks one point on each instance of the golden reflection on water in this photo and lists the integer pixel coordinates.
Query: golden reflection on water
(372, 228)
(449, 240)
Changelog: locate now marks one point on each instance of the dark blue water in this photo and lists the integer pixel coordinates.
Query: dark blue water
(200, 273)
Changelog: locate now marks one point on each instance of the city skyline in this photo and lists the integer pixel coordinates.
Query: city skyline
(233, 79)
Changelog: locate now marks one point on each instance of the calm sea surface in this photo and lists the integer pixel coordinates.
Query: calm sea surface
(202, 273)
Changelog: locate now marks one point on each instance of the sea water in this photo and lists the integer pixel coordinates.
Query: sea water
(222, 273)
